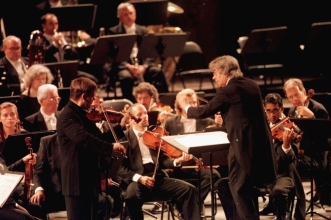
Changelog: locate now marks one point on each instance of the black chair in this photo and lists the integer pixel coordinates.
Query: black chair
(191, 62)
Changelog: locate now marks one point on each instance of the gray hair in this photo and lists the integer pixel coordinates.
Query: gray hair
(44, 89)
(228, 65)
(34, 71)
(9, 38)
(123, 6)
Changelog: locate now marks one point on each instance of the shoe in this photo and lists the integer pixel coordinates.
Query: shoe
(268, 209)
(158, 210)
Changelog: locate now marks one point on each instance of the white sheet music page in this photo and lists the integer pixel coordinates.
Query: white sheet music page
(208, 138)
(8, 183)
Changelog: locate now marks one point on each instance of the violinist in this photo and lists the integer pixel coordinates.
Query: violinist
(80, 146)
(147, 95)
(304, 106)
(287, 176)
(180, 124)
(143, 181)
(9, 124)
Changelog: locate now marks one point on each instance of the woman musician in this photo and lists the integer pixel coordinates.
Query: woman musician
(9, 125)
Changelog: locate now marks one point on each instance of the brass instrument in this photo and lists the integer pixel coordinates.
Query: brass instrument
(36, 48)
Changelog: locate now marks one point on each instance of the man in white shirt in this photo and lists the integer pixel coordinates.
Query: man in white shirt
(14, 66)
(46, 117)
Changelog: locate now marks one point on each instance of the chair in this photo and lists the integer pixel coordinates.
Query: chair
(191, 62)
(117, 104)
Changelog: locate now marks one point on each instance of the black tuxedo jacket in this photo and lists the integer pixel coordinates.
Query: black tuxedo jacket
(133, 163)
(80, 147)
(240, 104)
(36, 122)
(47, 173)
(10, 81)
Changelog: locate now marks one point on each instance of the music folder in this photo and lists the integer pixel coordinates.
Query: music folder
(8, 183)
(199, 142)
(15, 147)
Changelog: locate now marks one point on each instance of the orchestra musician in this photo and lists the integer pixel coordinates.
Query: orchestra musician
(143, 181)
(304, 106)
(46, 117)
(180, 124)
(14, 66)
(80, 147)
(287, 175)
(47, 180)
(36, 76)
(10, 124)
(240, 103)
(129, 72)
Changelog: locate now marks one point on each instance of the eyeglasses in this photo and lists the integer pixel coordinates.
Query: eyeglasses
(58, 99)
(14, 48)
(273, 111)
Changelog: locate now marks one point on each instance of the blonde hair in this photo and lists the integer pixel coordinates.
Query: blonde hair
(34, 71)
(293, 82)
(2, 107)
(186, 93)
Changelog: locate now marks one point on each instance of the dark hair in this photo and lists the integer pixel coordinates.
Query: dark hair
(44, 18)
(146, 87)
(82, 85)
(273, 98)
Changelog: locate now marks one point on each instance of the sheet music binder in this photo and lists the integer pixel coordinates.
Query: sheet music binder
(113, 48)
(199, 142)
(8, 183)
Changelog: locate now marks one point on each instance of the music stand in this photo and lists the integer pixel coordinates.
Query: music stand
(314, 130)
(15, 147)
(113, 48)
(151, 12)
(201, 142)
(67, 69)
(162, 45)
(13, 99)
(263, 49)
(75, 17)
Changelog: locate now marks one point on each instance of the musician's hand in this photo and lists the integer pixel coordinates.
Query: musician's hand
(218, 120)
(147, 181)
(183, 102)
(288, 136)
(164, 115)
(119, 147)
(28, 159)
(126, 118)
(38, 197)
(304, 112)
(185, 157)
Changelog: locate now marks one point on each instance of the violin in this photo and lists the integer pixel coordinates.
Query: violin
(28, 174)
(166, 111)
(278, 130)
(152, 139)
(96, 115)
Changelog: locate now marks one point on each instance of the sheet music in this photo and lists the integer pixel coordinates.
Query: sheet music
(8, 183)
(195, 140)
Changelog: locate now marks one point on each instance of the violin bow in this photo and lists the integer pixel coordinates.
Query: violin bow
(159, 150)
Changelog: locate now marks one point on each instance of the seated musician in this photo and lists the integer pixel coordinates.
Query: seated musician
(47, 180)
(129, 72)
(180, 124)
(36, 76)
(14, 66)
(46, 117)
(287, 175)
(11, 209)
(10, 125)
(142, 182)
(304, 106)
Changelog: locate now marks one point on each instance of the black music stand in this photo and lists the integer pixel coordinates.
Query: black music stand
(201, 142)
(75, 17)
(162, 45)
(113, 48)
(67, 69)
(151, 12)
(314, 130)
(15, 147)
(263, 49)
(13, 99)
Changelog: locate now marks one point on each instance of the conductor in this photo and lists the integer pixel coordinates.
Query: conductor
(240, 103)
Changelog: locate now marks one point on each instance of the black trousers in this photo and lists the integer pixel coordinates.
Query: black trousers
(81, 207)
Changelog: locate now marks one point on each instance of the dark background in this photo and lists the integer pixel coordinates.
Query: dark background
(214, 24)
